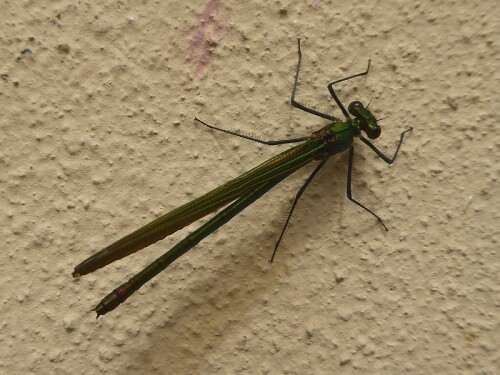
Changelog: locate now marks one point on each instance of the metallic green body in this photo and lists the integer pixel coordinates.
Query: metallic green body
(242, 191)
(331, 139)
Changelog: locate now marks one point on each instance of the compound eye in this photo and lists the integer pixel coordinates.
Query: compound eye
(354, 107)
(374, 133)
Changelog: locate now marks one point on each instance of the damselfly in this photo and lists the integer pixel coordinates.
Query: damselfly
(237, 194)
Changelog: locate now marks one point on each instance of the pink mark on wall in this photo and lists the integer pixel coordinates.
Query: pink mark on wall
(201, 36)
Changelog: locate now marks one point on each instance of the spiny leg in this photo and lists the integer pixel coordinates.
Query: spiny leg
(297, 197)
(332, 92)
(349, 192)
(301, 106)
(270, 143)
(388, 160)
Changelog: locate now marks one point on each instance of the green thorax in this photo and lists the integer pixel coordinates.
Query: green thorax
(337, 137)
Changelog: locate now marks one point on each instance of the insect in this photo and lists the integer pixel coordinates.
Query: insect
(237, 194)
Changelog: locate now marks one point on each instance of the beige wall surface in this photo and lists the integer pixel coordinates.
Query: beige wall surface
(97, 138)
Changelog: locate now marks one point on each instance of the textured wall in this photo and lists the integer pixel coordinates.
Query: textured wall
(97, 138)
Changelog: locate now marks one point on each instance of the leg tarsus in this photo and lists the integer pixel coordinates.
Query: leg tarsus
(388, 160)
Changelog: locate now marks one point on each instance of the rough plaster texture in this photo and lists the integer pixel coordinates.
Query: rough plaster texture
(97, 138)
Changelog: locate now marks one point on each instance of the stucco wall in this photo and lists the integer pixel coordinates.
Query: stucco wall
(97, 138)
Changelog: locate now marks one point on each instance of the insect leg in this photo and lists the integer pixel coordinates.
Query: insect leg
(349, 192)
(297, 197)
